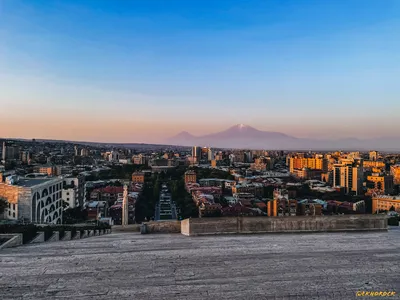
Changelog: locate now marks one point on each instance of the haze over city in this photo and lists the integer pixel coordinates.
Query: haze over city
(143, 71)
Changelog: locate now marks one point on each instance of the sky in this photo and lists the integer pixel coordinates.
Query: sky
(142, 71)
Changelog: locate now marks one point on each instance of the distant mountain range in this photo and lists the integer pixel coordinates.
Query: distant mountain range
(246, 137)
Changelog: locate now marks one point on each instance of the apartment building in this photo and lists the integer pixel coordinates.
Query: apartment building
(349, 176)
(385, 202)
(310, 163)
(395, 171)
(383, 184)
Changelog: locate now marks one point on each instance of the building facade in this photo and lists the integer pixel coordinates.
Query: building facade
(384, 202)
(138, 177)
(383, 184)
(190, 177)
(395, 171)
(349, 176)
(33, 200)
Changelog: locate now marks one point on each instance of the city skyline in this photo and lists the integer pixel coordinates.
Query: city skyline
(113, 71)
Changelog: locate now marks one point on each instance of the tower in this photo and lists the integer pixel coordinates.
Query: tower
(196, 153)
(3, 153)
(125, 207)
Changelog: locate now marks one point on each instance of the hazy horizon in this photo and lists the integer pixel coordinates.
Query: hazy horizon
(143, 71)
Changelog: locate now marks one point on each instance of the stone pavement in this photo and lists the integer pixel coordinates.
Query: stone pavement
(171, 266)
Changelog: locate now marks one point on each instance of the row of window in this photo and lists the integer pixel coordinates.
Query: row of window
(13, 206)
(55, 188)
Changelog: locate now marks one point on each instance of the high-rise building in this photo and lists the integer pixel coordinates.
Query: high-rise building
(9, 152)
(395, 171)
(76, 149)
(25, 156)
(210, 154)
(114, 156)
(139, 159)
(196, 153)
(3, 152)
(84, 152)
(349, 176)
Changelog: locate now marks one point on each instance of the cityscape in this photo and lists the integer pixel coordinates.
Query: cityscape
(58, 182)
(199, 149)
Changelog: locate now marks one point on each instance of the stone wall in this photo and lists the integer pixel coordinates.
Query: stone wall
(164, 227)
(210, 226)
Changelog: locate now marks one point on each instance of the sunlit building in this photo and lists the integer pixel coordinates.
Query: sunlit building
(384, 202)
(36, 200)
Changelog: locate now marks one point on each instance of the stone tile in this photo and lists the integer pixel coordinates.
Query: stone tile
(132, 266)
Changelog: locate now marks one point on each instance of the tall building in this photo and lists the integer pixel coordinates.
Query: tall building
(139, 159)
(114, 156)
(9, 152)
(3, 152)
(25, 156)
(84, 152)
(395, 171)
(373, 155)
(73, 191)
(196, 153)
(33, 200)
(76, 149)
(210, 154)
(350, 176)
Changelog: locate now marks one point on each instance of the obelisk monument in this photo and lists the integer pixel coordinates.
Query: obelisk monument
(125, 207)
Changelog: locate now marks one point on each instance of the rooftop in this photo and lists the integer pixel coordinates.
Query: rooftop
(171, 266)
(31, 182)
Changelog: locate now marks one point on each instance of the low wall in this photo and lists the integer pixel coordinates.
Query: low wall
(231, 225)
(127, 228)
(163, 227)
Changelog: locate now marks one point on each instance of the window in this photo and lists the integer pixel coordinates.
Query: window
(9, 212)
(13, 215)
(14, 206)
(67, 199)
(51, 189)
(68, 194)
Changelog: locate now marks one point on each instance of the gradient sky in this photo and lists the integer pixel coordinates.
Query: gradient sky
(141, 71)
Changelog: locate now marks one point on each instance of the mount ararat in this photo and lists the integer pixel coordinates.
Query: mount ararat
(246, 137)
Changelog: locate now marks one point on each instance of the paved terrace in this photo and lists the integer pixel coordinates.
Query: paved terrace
(171, 266)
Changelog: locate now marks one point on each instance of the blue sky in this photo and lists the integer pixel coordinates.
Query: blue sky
(140, 71)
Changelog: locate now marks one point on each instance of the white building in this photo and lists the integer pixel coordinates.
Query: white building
(70, 196)
(36, 200)
(73, 191)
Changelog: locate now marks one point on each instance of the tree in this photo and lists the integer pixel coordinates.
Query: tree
(3, 205)
(392, 208)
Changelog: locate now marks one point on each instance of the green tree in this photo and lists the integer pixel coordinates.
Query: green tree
(392, 208)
